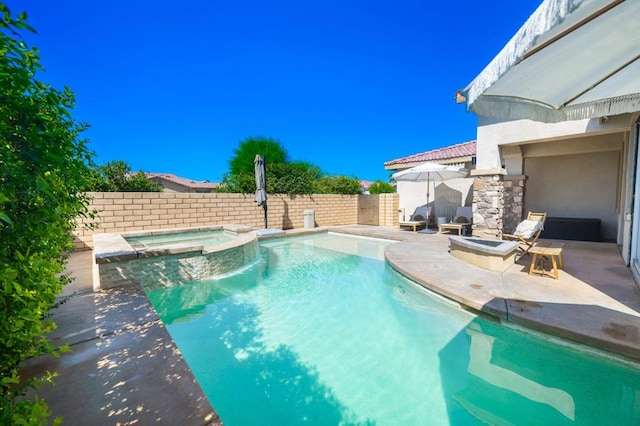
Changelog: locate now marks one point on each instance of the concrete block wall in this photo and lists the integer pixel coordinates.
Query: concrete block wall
(137, 211)
(389, 205)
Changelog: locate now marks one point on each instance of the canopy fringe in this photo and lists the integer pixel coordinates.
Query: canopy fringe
(604, 107)
(512, 108)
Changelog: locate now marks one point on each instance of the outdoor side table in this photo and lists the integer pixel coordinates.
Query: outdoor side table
(461, 227)
(542, 251)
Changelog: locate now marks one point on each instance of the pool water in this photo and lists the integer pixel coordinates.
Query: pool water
(323, 331)
(204, 238)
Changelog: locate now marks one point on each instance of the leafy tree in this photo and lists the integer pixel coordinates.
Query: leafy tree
(337, 185)
(44, 165)
(380, 187)
(314, 171)
(242, 161)
(283, 176)
(242, 183)
(116, 176)
(290, 178)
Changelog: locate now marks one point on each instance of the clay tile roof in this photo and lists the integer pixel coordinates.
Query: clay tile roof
(461, 150)
(189, 183)
(365, 184)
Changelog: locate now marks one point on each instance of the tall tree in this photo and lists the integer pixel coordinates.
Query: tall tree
(271, 149)
(44, 165)
(283, 176)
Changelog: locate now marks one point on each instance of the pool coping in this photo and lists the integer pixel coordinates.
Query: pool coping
(113, 247)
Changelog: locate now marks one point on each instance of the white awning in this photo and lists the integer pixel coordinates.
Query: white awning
(572, 59)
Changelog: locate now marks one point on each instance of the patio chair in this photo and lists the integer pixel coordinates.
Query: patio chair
(461, 222)
(419, 219)
(527, 232)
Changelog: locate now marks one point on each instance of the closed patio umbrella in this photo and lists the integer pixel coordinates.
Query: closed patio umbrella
(261, 185)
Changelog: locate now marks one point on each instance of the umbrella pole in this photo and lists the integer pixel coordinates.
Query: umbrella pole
(428, 184)
(264, 162)
(265, 215)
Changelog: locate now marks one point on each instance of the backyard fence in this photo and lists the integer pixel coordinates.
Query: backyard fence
(137, 211)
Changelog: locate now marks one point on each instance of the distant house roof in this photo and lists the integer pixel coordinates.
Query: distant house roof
(365, 184)
(187, 183)
(458, 153)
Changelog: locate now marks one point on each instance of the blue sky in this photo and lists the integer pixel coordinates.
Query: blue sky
(173, 87)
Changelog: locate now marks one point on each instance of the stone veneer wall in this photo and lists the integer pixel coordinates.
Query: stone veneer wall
(488, 206)
(138, 211)
(514, 187)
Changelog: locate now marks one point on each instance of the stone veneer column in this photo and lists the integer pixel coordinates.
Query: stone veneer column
(514, 187)
(488, 203)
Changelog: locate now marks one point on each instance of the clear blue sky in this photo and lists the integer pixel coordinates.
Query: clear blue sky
(174, 86)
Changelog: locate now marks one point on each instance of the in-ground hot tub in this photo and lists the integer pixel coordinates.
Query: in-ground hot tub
(206, 237)
(171, 257)
(494, 255)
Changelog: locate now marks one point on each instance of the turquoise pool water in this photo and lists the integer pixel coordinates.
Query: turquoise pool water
(204, 238)
(323, 331)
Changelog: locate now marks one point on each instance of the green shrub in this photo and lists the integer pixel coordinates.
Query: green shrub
(337, 185)
(44, 167)
(116, 176)
(380, 187)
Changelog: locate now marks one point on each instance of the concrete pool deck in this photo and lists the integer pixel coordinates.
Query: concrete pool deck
(124, 368)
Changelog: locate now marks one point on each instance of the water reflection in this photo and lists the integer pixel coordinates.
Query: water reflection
(516, 378)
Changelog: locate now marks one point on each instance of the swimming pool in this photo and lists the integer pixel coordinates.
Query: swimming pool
(322, 330)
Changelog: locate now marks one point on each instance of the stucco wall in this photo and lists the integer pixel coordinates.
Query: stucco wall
(492, 133)
(578, 185)
(445, 196)
(134, 211)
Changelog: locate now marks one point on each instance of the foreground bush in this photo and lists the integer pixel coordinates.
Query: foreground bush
(44, 165)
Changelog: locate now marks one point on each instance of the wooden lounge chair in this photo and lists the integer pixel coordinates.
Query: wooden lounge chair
(461, 222)
(419, 219)
(527, 232)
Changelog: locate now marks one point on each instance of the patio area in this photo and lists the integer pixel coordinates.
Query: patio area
(124, 368)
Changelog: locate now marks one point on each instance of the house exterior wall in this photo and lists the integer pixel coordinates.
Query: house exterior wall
(135, 211)
(570, 169)
(578, 185)
(493, 133)
(168, 186)
(444, 196)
